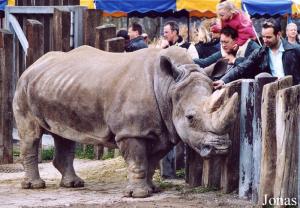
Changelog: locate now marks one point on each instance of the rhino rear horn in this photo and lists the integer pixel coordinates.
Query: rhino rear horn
(215, 101)
(169, 68)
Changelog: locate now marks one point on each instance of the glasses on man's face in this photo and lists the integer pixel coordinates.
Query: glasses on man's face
(223, 42)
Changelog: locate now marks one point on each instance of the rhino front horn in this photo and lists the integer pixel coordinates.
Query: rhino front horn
(223, 111)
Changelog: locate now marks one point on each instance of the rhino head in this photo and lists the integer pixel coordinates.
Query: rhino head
(202, 118)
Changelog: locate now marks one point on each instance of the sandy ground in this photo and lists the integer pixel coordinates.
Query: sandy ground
(105, 181)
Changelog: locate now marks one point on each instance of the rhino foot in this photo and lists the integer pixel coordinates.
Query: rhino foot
(74, 182)
(137, 191)
(33, 184)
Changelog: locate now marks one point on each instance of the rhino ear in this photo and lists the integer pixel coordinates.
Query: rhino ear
(167, 67)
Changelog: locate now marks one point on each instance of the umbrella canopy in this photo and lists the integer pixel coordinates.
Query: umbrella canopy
(202, 6)
(141, 6)
(88, 3)
(268, 7)
(3, 4)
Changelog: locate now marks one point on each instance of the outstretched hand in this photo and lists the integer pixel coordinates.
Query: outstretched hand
(218, 84)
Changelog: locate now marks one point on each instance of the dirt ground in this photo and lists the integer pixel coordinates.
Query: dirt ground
(104, 183)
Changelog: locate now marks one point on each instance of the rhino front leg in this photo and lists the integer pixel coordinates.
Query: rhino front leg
(63, 161)
(135, 155)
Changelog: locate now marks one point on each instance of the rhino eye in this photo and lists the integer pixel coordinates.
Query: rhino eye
(190, 117)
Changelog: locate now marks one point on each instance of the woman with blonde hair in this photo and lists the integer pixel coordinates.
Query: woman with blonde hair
(205, 45)
(230, 16)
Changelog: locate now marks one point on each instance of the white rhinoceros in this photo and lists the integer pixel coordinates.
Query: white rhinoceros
(143, 102)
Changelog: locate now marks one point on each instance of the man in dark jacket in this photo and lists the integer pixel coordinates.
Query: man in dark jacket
(172, 37)
(136, 40)
(233, 56)
(205, 62)
(277, 57)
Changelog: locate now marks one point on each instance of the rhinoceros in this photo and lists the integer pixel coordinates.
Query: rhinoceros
(143, 103)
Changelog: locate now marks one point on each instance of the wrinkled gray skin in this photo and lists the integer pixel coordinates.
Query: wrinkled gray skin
(142, 102)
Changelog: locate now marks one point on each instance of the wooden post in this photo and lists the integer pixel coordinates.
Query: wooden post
(268, 125)
(211, 172)
(73, 2)
(98, 151)
(35, 36)
(117, 153)
(179, 156)
(230, 163)
(258, 88)
(6, 86)
(92, 18)
(115, 44)
(61, 30)
(246, 138)
(287, 129)
(167, 165)
(193, 167)
(103, 33)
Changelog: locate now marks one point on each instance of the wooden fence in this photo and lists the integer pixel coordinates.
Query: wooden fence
(263, 160)
(268, 144)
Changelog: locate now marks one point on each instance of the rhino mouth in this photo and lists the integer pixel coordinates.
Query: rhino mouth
(209, 150)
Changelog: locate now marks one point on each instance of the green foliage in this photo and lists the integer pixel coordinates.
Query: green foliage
(168, 185)
(16, 152)
(200, 190)
(180, 173)
(87, 153)
(48, 154)
(110, 154)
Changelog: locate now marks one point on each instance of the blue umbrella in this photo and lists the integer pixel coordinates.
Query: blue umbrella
(141, 6)
(267, 7)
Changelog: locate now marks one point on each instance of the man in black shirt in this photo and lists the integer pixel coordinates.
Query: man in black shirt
(136, 40)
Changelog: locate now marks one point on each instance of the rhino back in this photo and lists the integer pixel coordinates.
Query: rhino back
(91, 94)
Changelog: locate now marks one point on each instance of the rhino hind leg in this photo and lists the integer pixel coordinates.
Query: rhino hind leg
(63, 162)
(30, 134)
(134, 152)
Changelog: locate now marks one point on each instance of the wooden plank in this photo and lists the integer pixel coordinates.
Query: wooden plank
(40, 3)
(61, 30)
(246, 138)
(258, 88)
(6, 86)
(179, 156)
(117, 153)
(211, 172)
(115, 44)
(167, 165)
(34, 32)
(268, 125)
(98, 151)
(287, 128)
(47, 33)
(193, 167)
(73, 2)
(230, 163)
(103, 33)
(92, 18)
(35, 36)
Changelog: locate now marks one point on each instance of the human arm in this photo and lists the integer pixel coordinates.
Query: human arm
(209, 60)
(249, 67)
